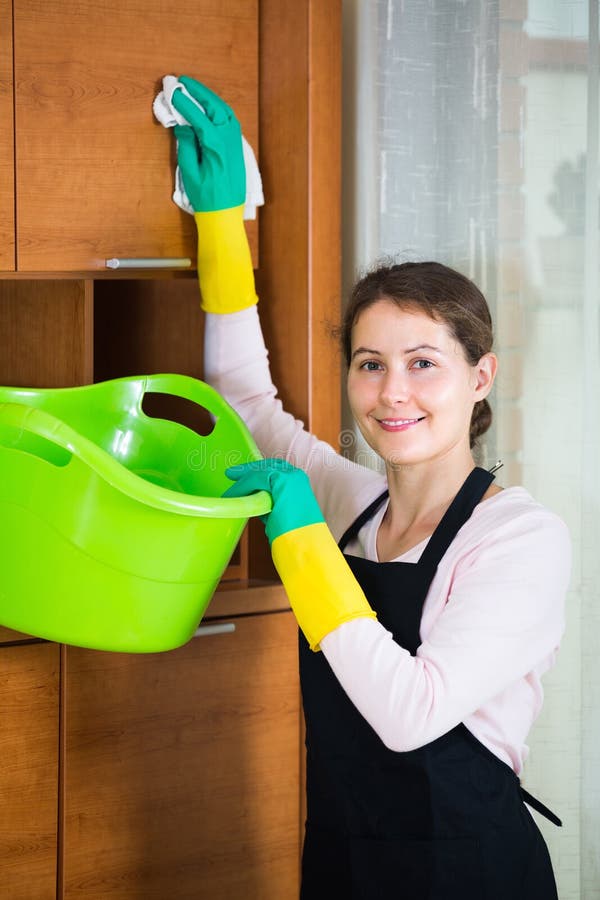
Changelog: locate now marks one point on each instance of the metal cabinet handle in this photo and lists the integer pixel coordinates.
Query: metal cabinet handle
(149, 262)
(206, 630)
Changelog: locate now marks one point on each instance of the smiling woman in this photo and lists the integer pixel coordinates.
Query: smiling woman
(416, 720)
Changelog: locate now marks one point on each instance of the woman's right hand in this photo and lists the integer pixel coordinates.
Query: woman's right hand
(211, 161)
(209, 149)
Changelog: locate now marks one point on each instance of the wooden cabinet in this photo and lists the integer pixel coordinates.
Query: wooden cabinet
(7, 164)
(94, 169)
(175, 775)
(182, 769)
(29, 716)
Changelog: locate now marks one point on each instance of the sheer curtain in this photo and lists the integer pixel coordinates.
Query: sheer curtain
(471, 137)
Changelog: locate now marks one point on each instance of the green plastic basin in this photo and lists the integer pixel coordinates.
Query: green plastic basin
(113, 530)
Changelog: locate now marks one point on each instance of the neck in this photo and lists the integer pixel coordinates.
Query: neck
(419, 495)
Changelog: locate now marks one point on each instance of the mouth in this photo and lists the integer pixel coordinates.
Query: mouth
(398, 424)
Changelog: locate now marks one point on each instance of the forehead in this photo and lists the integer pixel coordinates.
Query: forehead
(387, 322)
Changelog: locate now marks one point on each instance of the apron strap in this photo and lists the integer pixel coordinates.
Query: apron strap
(532, 801)
(459, 511)
(364, 517)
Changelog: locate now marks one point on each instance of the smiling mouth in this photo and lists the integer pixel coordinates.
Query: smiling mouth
(398, 424)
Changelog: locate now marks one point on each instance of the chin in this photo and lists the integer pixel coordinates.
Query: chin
(397, 458)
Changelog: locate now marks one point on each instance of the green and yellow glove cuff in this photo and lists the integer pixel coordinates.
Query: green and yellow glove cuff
(320, 585)
(224, 262)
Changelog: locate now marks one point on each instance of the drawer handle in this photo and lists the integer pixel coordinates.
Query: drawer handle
(207, 630)
(149, 262)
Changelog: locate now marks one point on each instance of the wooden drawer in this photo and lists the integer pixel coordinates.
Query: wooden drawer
(182, 769)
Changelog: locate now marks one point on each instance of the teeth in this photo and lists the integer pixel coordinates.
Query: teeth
(398, 421)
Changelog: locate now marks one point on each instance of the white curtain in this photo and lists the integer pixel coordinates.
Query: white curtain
(471, 137)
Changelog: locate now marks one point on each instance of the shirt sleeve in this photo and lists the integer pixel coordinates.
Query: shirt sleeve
(236, 364)
(502, 621)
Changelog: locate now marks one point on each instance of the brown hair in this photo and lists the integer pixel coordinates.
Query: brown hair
(443, 294)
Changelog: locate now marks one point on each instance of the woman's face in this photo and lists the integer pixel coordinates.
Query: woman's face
(410, 387)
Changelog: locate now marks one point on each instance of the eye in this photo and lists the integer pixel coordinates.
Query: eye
(371, 365)
(422, 364)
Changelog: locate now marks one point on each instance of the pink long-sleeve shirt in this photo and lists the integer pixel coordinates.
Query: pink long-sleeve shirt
(494, 614)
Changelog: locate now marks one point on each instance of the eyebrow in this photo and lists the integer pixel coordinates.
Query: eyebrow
(370, 352)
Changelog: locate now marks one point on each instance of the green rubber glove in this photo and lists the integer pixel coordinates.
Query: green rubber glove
(209, 149)
(321, 588)
(294, 504)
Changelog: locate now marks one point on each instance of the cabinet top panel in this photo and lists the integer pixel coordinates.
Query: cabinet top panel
(94, 168)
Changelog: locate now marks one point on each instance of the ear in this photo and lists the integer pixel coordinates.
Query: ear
(484, 374)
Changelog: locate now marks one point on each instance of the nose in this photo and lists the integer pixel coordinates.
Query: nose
(395, 388)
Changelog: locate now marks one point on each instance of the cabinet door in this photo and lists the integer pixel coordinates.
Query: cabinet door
(29, 676)
(182, 769)
(94, 168)
(7, 156)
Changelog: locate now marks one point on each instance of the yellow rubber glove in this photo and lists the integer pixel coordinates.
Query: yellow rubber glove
(224, 262)
(321, 587)
(211, 161)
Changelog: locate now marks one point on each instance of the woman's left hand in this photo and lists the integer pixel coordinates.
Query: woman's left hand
(321, 588)
(294, 504)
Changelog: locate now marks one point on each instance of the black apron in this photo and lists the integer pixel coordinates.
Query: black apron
(444, 822)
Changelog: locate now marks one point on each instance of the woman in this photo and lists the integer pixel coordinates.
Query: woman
(443, 604)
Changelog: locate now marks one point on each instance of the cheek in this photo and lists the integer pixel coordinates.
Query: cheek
(355, 391)
(457, 380)
(438, 391)
(447, 397)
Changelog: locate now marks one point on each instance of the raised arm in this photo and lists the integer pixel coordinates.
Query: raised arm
(304, 549)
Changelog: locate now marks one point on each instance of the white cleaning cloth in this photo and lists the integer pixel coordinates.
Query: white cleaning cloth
(168, 116)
